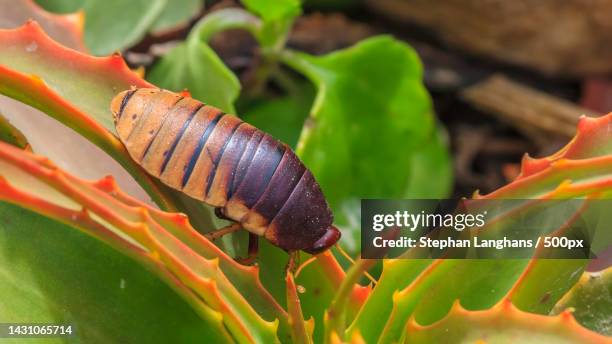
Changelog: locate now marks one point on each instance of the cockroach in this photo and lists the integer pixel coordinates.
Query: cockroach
(249, 177)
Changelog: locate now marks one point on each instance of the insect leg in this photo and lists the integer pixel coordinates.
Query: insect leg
(223, 231)
(253, 250)
(292, 264)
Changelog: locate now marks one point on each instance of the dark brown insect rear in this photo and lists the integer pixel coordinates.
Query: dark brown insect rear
(217, 158)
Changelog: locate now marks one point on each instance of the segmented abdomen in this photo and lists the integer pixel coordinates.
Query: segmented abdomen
(225, 162)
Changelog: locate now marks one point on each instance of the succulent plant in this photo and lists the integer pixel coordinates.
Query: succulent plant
(87, 253)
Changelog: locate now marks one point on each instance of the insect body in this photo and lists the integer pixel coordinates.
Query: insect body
(214, 157)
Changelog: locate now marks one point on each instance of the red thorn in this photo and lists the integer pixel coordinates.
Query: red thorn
(106, 183)
(531, 166)
(566, 315)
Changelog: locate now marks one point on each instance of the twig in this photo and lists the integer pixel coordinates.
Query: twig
(533, 112)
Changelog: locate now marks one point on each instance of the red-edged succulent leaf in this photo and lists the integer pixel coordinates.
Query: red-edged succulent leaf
(336, 315)
(69, 150)
(76, 89)
(166, 242)
(301, 330)
(71, 87)
(590, 301)
(12, 135)
(502, 323)
(419, 289)
(321, 281)
(543, 176)
(66, 29)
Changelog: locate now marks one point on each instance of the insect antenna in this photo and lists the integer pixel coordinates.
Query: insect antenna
(303, 265)
(344, 254)
(350, 259)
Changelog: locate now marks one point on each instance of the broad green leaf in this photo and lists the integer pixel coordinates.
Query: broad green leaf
(111, 25)
(175, 14)
(500, 324)
(61, 6)
(371, 128)
(590, 301)
(53, 273)
(281, 117)
(274, 10)
(194, 66)
(430, 162)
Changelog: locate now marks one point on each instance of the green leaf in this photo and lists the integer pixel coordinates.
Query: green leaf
(61, 6)
(112, 25)
(163, 242)
(12, 135)
(175, 14)
(500, 324)
(371, 131)
(54, 273)
(281, 117)
(396, 275)
(275, 9)
(194, 66)
(590, 301)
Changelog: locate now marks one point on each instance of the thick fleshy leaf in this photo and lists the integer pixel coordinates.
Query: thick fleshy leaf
(397, 274)
(12, 135)
(176, 14)
(374, 135)
(301, 330)
(336, 315)
(590, 301)
(428, 298)
(580, 169)
(502, 323)
(194, 66)
(70, 150)
(76, 89)
(66, 29)
(111, 25)
(53, 273)
(164, 242)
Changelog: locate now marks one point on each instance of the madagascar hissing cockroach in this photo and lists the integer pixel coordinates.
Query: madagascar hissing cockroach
(247, 175)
